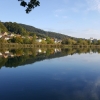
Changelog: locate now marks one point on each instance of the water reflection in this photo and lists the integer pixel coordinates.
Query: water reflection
(74, 77)
(16, 57)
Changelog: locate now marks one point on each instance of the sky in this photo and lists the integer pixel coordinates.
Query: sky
(76, 18)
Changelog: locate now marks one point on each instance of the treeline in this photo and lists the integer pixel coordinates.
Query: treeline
(69, 41)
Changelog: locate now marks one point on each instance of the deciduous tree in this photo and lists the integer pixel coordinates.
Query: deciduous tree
(29, 5)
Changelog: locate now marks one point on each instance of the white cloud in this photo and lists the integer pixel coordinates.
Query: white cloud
(93, 5)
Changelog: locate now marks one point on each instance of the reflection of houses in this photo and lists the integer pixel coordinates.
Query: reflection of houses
(6, 54)
(57, 50)
(39, 50)
(44, 51)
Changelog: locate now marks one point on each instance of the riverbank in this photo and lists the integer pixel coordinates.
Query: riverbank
(16, 45)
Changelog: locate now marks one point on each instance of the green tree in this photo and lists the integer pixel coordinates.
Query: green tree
(2, 40)
(29, 5)
(33, 39)
(98, 42)
(44, 42)
(68, 41)
(2, 28)
(17, 40)
(48, 40)
(26, 40)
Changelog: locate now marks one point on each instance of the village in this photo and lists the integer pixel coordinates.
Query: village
(9, 38)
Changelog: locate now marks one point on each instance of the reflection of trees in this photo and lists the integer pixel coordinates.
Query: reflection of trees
(2, 61)
(28, 56)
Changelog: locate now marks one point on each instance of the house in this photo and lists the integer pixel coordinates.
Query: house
(44, 39)
(6, 37)
(6, 52)
(11, 35)
(5, 33)
(0, 54)
(57, 41)
(0, 35)
(38, 40)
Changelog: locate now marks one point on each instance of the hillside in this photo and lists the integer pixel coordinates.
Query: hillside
(2, 28)
(23, 29)
(42, 32)
(15, 28)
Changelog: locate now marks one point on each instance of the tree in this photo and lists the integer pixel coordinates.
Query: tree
(2, 28)
(68, 41)
(29, 5)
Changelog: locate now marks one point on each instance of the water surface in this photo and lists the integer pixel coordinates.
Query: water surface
(51, 74)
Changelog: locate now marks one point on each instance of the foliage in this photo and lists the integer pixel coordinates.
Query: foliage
(49, 41)
(15, 28)
(43, 33)
(2, 41)
(30, 5)
(2, 28)
(17, 40)
(68, 41)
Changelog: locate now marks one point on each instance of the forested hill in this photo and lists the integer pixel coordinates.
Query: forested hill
(15, 28)
(23, 29)
(43, 33)
(2, 28)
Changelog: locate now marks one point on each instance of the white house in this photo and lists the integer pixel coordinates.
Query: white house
(38, 40)
(6, 52)
(6, 38)
(0, 54)
(0, 36)
(5, 33)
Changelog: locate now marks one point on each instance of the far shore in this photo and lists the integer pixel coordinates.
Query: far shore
(18, 45)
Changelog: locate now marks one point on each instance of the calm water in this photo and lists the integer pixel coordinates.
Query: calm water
(50, 74)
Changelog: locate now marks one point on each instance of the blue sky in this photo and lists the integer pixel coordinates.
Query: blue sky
(78, 18)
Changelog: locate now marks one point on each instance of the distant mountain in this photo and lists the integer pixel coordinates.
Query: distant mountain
(23, 29)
